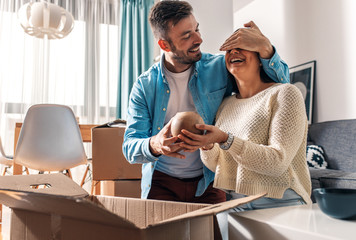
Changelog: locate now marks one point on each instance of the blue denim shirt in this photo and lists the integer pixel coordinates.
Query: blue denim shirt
(149, 97)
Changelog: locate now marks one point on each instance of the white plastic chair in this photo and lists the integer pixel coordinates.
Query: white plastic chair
(6, 161)
(50, 139)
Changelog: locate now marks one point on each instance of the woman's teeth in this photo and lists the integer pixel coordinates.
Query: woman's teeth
(234, 60)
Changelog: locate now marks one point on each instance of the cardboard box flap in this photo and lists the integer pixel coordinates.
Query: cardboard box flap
(55, 184)
(216, 208)
(76, 208)
(63, 197)
(115, 123)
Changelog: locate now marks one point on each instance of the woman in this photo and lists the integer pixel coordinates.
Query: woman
(258, 143)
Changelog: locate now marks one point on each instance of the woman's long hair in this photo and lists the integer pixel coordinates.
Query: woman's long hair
(264, 77)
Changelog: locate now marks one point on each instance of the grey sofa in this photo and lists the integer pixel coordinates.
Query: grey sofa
(338, 139)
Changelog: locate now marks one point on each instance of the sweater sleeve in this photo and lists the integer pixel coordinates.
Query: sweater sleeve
(210, 157)
(286, 133)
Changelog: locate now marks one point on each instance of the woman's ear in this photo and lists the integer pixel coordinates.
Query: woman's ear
(164, 45)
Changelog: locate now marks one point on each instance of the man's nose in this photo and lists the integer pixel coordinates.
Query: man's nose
(197, 38)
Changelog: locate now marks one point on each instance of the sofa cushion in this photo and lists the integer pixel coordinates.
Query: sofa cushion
(338, 141)
(315, 157)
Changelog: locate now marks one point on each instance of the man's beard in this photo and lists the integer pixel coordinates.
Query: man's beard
(183, 58)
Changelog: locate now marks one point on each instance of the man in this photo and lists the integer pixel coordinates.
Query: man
(184, 80)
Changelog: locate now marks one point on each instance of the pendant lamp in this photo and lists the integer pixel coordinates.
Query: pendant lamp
(45, 20)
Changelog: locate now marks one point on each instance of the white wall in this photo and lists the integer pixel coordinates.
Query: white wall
(305, 30)
(215, 20)
(301, 30)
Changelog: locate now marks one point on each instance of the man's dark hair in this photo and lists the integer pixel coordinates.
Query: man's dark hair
(166, 12)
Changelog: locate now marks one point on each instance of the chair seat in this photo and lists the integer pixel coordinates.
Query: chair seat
(50, 139)
(5, 161)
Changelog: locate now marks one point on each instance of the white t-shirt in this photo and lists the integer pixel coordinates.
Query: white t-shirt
(180, 100)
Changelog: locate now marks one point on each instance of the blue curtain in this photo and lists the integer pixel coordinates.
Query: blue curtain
(136, 48)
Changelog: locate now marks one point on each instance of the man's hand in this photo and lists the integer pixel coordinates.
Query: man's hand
(192, 142)
(164, 144)
(249, 38)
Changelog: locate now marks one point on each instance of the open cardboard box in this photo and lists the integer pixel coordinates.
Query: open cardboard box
(65, 211)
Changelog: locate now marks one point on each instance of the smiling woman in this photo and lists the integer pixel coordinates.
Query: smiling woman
(259, 139)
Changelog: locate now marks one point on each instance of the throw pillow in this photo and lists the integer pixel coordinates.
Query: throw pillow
(315, 157)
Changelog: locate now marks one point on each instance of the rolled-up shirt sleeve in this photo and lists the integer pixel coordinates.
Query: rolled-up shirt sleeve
(276, 68)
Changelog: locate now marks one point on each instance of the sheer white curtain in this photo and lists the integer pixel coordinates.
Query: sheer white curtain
(79, 70)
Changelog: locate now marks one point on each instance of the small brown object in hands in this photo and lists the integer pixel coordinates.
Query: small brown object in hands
(187, 121)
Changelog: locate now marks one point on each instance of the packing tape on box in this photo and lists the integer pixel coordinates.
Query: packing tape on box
(56, 229)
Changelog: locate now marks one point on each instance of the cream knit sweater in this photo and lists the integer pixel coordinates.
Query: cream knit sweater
(269, 148)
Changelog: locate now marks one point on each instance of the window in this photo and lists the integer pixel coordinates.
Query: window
(79, 70)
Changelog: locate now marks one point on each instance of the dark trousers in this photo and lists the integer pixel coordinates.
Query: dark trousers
(165, 187)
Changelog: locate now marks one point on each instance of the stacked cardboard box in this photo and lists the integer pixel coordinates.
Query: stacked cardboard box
(64, 210)
(122, 188)
(117, 176)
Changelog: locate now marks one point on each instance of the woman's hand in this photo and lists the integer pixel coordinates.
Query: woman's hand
(192, 142)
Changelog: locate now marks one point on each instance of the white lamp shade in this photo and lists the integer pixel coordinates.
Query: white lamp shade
(41, 18)
(68, 24)
(24, 15)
